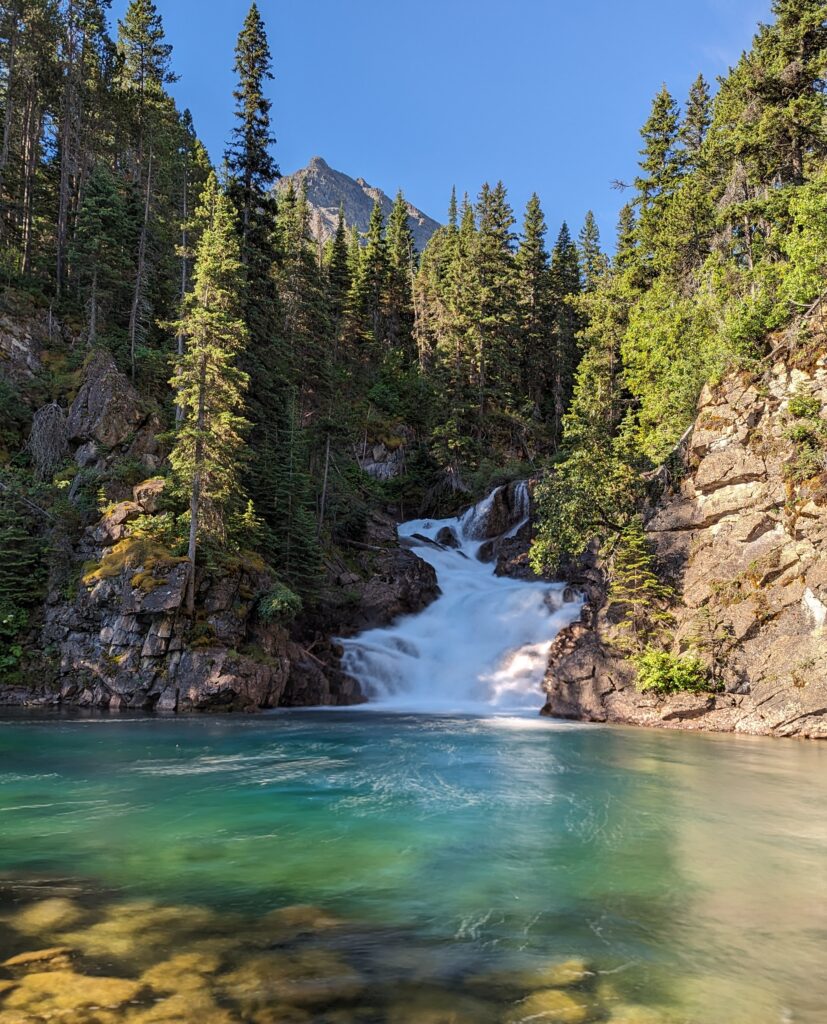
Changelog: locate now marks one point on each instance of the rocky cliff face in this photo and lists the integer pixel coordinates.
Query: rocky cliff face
(328, 189)
(743, 537)
(112, 633)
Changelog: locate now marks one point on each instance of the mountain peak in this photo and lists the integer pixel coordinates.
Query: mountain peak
(327, 189)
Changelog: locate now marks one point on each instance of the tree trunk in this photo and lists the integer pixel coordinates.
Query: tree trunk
(323, 501)
(195, 496)
(5, 148)
(67, 139)
(93, 311)
(179, 341)
(139, 274)
(31, 145)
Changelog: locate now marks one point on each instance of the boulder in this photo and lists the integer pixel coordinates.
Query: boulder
(148, 494)
(107, 408)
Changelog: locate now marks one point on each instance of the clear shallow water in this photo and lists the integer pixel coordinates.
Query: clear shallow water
(690, 871)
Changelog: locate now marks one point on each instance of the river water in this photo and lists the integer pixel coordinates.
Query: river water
(689, 871)
(433, 859)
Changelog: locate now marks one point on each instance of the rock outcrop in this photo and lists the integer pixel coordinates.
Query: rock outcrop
(328, 189)
(124, 642)
(743, 537)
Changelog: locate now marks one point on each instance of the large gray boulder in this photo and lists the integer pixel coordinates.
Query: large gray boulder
(107, 408)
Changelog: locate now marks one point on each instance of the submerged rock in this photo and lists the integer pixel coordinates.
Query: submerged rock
(183, 972)
(440, 1007)
(47, 916)
(553, 1006)
(193, 1007)
(308, 978)
(58, 991)
(52, 959)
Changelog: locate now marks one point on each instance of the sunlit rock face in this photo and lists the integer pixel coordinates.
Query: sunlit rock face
(327, 189)
(742, 536)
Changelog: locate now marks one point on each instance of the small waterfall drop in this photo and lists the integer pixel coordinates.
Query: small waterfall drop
(482, 646)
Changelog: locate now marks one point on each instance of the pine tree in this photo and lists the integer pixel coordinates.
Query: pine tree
(636, 589)
(208, 449)
(399, 291)
(99, 247)
(660, 169)
(338, 276)
(251, 168)
(145, 64)
(496, 303)
(307, 329)
(593, 262)
(144, 73)
(696, 121)
(371, 283)
(566, 286)
(536, 306)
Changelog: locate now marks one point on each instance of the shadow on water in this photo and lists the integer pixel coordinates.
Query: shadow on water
(351, 867)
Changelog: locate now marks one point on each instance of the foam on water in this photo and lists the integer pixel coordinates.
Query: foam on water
(482, 646)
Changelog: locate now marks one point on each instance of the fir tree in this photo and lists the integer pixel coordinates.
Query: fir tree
(536, 306)
(660, 169)
(251, 167)
(593, 262)
(495, 300)
(696, 121)
(566, 286)
(338, 275)
(371, 282)
(207, 453)
(636, 590)
(99, 248)
(401, 260)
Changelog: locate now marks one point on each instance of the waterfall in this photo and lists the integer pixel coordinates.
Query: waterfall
(483, 644)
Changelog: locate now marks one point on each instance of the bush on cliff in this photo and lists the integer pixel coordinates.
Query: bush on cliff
(664, 673)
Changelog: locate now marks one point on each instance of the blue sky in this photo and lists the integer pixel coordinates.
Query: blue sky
(548, 95)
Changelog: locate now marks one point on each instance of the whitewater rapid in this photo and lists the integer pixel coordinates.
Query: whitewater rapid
(482, 646)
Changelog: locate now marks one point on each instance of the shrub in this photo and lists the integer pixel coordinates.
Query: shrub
(804, 407)
(280, 605)
(662, 672)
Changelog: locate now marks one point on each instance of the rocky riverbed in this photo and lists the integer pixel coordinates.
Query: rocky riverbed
(68, 959)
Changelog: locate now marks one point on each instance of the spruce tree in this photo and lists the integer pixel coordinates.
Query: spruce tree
(399, 292)
(593, 262)
(371, 283)
(536, 306)
(338, 276)
(99, 248)
(696, 121)
(208, 450)
(566, 286)
(661, 166)
(636, 590)
(251, 167)
(497, 377)
(145, 63)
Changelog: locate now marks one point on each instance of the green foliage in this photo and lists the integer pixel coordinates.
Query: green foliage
(804, 406)
(664, 673)
(22, 574)
(636, 590)
(281, 605)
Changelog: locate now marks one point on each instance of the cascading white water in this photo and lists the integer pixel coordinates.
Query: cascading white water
(483, 644)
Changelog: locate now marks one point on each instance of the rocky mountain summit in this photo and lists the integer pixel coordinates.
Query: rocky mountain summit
(327, 189)
(741, 535)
